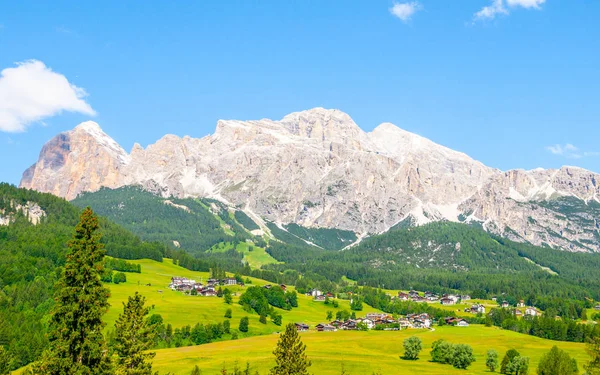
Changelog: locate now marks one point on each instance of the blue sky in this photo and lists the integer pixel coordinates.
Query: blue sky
(512, 83)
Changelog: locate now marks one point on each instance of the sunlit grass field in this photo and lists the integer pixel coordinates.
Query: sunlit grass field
(362, 352)
(181, 310)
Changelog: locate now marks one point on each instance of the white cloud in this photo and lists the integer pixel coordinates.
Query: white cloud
(489, 12)
(570, 151)
(526, 3)
(31, 92)
(497, 7)
(405, 11)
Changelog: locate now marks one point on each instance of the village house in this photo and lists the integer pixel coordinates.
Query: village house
(404, 323)
(531, 311)
(465, 297)
(413, 294)
(462, 323)
(368, 322)
(314, 293)
(518, 313)
(451, 296)
(230, 281)
(320, 298)
(432, 298)
(419, 299)
(597, 307)
(447, 301)
(375, 316)
(349, 325)
(325, 328)
(403, 296)
(283, 286)
(505, 304)
(477, 309)
(301, 327)
(521, 303)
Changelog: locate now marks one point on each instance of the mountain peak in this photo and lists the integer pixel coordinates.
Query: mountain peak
(89, 126)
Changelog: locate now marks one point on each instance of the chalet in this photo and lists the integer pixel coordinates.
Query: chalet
(505, 304)
(597, 307)
(268, 286)
(447, 301)
(465, 297)
(230, 281)
(494, 299)
(283, 286)
(413, 294)
(476, 309)
(369, 323)
(375, 316)
(212, 282)
(208, 292)
(182, 284)
(462, 323)
(325, 328)
(403, 296)
(337, 323)
(349, 325)
(521, 303)
(518, 313)
(320, 298)
(531, 311)
(330, 295)
(451, 320)
(404, 323)
(418, 299)
(301, 327)
(314, 293)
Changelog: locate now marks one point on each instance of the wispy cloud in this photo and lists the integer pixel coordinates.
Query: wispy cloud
(405, 11)
(31, 92)
(501, 7)
(570, 151)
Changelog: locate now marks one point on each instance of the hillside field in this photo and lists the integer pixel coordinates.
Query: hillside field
(181, 310)
(362, 352)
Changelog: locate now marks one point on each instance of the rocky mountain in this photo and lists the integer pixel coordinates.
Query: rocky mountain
(317, 168)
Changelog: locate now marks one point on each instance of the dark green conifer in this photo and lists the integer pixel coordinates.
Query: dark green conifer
(77, 345)
(133, 337)
(290, 354)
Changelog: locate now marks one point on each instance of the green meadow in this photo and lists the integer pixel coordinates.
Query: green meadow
(362, 352)
(180, 309)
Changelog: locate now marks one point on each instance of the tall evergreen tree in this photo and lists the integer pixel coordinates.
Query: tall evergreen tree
(4, 361)
(290, 354)
(77, 345)
(133, 337)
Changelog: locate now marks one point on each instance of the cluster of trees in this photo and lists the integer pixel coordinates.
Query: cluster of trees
(76, 344)
(192, 224)
(32, 260)
(545, 326)
(485, 266)
(121, 265)
(262, 300)
(458, 355)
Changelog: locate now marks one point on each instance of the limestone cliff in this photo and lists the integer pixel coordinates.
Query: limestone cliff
(318, 168)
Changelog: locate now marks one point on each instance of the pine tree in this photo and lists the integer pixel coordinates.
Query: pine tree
(196, 371)
(4, 361)
(77, 345)
(133, 337)
(290, 354)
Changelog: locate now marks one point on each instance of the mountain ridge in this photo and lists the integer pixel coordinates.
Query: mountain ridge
(318, 168)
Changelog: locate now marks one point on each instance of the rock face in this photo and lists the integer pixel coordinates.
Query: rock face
(31, 210)
(318, 168)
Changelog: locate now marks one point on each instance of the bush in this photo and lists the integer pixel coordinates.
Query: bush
(119, 277)
(462, 356)
(412, 347)
(244, 322)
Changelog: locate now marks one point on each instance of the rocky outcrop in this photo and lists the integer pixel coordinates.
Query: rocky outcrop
(31, 210)
(318, 168)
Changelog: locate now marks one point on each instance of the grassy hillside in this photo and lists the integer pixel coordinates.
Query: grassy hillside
(362, 352)
(180, 309)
